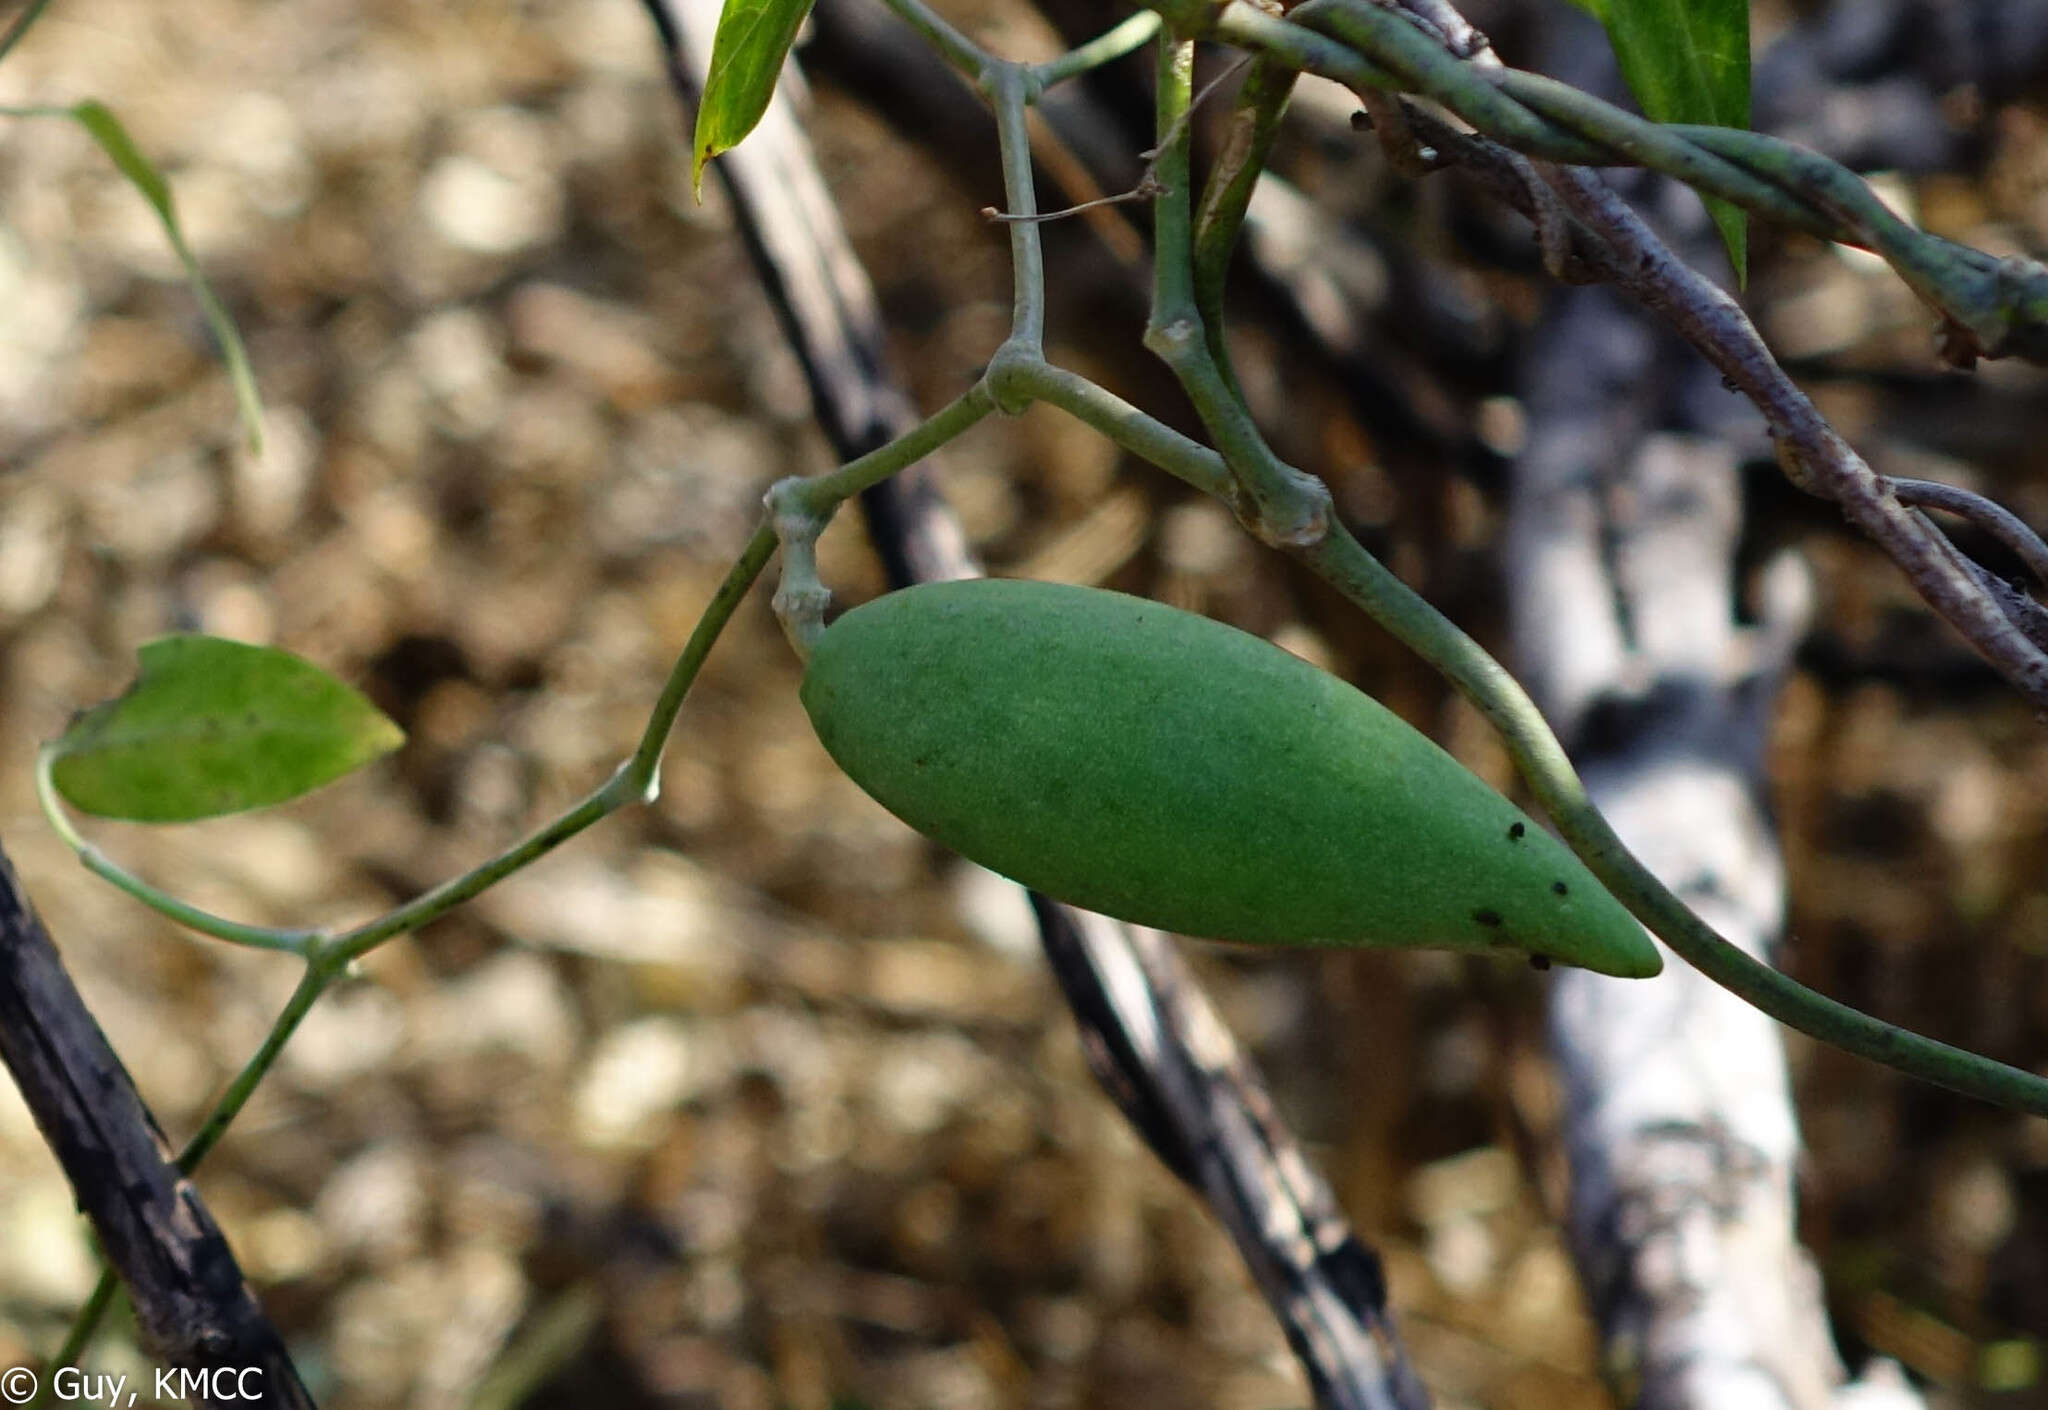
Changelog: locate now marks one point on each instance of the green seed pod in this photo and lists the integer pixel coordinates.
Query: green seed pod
(1166, 769)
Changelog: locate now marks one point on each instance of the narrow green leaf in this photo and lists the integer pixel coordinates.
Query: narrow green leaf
(746, 58)
(214, 726)
(106, 129)
(1688, 61)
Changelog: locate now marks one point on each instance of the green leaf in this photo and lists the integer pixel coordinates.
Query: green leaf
(214, 726)
(1688, 61)
(746, 58)
(98, 120)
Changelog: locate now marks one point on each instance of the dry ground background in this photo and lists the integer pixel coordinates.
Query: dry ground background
(753, 1099)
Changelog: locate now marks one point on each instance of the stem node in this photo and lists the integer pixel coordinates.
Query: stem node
(800, 598)
(1010, 376)
(1173, 340)
(1299, 518)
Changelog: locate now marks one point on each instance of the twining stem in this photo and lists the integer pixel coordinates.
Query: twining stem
(799, 509)
(1280, 503)
(1995, 519)
(320, 972)
(635, 781)
(1990, 306)
(1173, 279)
(644, 768)
(1995, 307)
(613, 794)
(822, 494)
(1254, 127)
(1812, 452)
(1150, 440)
(1286, 495)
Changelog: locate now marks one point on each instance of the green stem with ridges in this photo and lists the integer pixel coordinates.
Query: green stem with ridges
(1277, 502)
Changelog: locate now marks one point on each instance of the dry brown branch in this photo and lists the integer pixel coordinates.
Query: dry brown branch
(191, 1302)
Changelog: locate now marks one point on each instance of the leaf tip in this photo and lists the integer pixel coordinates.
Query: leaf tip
(704, 145)
(385, 736)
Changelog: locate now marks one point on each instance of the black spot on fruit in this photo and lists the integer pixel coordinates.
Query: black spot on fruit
(1116, 753)
(1560, 888)
(1515, 831)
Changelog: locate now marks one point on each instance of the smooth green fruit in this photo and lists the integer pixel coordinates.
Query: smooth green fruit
(1165, 769)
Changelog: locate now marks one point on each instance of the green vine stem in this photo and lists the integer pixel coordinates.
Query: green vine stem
(1278, 502)
(1254, 127)
(1586, 231)
(1008, 88)
(90, 1314)
(1282, 495)
(1815, 458)
(312, 984)
(1343, 562)
(1546, 769)
(1106, 48)
(260, 937)
(797, 508)
(1995, 307)
(953, 46)
(329, 955)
